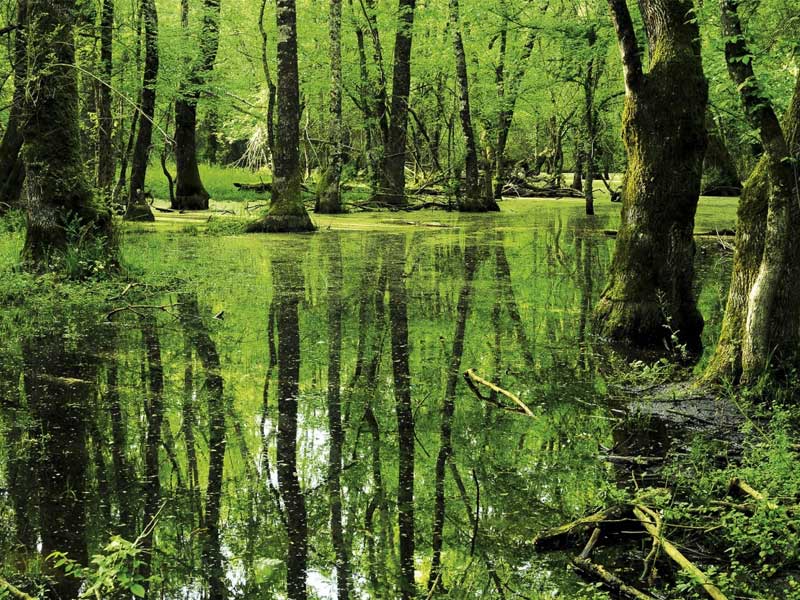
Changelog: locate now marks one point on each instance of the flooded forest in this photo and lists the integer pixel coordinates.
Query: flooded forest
(399, 299)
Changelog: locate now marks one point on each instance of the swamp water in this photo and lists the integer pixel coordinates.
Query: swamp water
(167, 412)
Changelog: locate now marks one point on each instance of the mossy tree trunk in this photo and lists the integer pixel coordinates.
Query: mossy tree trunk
(61, 211)
(761, 328)
(287, 212)
(138, 209)
(191, 194)
(12, 167)
(474, 199)
(650, 283)
(329, 200)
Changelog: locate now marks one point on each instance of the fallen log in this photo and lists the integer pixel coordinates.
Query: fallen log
(594, 570)
(260, 188)
(537, 192)
(652, 524)
(613, 519)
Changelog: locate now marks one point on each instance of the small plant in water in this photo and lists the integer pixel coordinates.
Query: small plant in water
(116, 569)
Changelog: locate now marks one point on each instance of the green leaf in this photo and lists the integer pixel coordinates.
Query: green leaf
(137, 590)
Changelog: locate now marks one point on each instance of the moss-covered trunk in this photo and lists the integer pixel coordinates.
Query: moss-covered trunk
(61, 211)
(190, 193)
(650, 283)
(287, 211)
(761, 328)
(12, 168)
(329, 199)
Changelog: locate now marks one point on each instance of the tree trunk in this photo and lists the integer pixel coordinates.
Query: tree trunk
(12, 167)
(61, 211)
(398, 307)
(393, 171)
(287, 211)
(473, 200)
(190, 193)
(761, 327)
(289, 286)
(508, 88)
(272, 90)
(329, 200)
(649, 294)
(105, 119)
(138, 209)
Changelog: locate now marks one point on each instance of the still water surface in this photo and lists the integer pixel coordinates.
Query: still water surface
(171, 416)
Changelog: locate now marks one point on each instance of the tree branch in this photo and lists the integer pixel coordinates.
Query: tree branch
(628, 46)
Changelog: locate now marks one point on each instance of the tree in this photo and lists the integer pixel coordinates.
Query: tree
(137, 209)
(761, 327)
(105, 118)
(287, 212)
(61, 211)
(393, 165)
(474, 199)
(330, 194)
(12, 165)
(190, 193)
(662, 180)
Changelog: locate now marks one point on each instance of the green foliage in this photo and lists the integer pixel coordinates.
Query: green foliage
(115, 569)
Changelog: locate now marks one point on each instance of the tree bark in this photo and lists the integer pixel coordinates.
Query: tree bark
(473, 200)
(649, 294)
(329, 200)
(105, 120)
(287, 211)
(190, 193)
(761, 327)
(12, 167)
(393, 171)
(272, 90)
(137, 208)
(61, 211)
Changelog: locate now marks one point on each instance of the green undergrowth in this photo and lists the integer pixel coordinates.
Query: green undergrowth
(746, 544)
